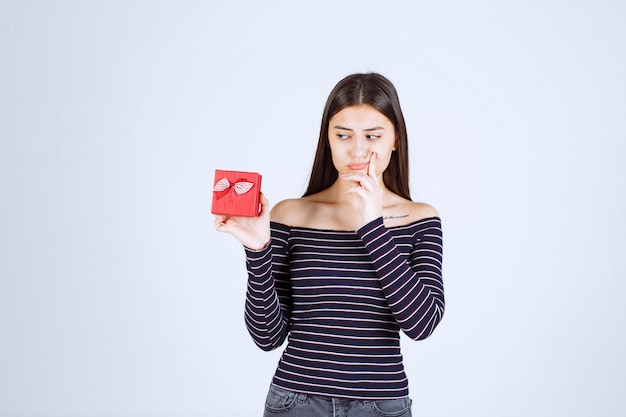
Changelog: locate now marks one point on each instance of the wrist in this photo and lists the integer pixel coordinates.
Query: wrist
(257, 246)
(370, 217)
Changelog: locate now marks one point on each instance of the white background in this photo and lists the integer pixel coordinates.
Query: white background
(118, 298)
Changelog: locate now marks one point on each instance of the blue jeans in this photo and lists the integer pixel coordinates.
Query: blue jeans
(281, 403)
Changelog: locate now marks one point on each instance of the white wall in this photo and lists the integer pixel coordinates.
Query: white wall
(117, 297)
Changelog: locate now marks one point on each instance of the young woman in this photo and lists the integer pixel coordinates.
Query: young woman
(341, 270)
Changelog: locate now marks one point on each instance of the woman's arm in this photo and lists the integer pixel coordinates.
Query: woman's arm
(413, 287)
(268, 297)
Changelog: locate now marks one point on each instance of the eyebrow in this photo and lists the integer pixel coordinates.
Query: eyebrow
(365, 130)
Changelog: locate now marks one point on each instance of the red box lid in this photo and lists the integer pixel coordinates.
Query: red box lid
(236, 193)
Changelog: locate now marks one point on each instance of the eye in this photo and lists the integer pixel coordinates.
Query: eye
(341, 136)
(373, 137)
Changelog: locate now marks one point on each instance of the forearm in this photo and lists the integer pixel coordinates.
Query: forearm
(264, 316)
(414, 295)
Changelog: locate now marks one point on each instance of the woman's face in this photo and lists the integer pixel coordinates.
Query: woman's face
(356, 132)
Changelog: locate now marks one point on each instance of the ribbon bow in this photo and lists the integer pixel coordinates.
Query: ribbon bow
(240, 186)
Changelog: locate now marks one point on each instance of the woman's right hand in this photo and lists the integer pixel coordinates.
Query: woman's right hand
(252, 232)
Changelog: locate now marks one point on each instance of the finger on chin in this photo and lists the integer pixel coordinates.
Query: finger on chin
(371, 169)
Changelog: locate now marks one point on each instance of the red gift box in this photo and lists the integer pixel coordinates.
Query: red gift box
(236, 193)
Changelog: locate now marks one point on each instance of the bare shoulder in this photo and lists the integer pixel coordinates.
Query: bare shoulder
(421, 211)
(404, 211)
(290, 212)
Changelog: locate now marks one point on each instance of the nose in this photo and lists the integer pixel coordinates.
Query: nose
(360, 148)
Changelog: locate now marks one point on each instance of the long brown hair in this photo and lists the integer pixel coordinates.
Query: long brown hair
(377, 91)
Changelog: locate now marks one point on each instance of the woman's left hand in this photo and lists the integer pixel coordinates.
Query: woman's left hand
(368, 190)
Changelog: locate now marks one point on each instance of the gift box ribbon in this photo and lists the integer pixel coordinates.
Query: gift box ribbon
(240, 187)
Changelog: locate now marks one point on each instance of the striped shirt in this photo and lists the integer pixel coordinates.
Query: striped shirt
(341, 298)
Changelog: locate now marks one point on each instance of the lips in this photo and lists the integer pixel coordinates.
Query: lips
(358, 166)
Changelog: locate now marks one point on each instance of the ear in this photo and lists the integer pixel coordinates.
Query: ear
(396, 144)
